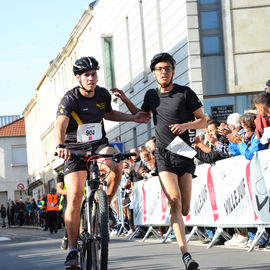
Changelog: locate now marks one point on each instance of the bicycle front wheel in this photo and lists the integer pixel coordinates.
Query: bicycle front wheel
(84, 242)
(99, 245)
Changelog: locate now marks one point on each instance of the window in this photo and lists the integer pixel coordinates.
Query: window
(211, 45)
(109, 70)
(19, 156)
(209, 19)
(207, 1)
(210, 28)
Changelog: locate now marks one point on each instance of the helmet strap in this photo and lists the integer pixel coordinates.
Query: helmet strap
(88, 91)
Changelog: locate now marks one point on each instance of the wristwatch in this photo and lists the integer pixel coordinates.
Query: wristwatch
(60, 146)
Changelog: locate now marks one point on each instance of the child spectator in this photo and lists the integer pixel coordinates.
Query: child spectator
(145, 156)
(150, 145)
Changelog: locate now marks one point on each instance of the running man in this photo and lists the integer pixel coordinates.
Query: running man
(79, 128)
(177, 111)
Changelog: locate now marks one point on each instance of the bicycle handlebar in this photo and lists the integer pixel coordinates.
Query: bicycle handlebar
(115, 157)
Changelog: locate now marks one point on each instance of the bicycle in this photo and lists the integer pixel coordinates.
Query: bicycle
(94, 231)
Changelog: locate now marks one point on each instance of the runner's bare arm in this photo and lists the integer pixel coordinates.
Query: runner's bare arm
(139, 117)
(120, 93)
(60, 133)
(199, 123)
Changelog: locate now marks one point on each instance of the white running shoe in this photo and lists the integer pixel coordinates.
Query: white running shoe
(236, 240)
(129, 233)
(113, 232)
(246, 244)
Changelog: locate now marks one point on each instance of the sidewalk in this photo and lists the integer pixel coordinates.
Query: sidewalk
(25, 227)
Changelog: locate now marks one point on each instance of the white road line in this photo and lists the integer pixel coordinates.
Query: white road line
(5, 239)
(47, 253)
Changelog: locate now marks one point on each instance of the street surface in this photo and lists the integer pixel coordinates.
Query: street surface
(31, 249)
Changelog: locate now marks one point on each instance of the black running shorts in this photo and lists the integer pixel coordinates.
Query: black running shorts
(74, 166)
(170, 162)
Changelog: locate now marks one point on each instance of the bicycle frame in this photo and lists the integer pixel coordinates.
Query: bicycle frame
(94, 222)
(92, 184)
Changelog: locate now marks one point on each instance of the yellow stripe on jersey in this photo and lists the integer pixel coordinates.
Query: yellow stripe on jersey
(78, 120)
(76, 117)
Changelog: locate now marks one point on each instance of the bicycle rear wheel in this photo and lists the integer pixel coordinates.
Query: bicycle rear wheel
(84, 242)
(99, 245)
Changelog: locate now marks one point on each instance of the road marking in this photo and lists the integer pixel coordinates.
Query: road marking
(47, 253)
(40, 242)
(5, 239)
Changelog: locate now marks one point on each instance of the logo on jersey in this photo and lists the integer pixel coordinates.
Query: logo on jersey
(61, 108)
(85, 109)
(101, 105)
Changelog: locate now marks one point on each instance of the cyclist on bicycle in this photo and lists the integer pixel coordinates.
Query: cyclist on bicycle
(80, 128)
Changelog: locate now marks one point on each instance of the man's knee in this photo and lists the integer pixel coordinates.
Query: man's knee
(185, 210)
(108, 164)
(175, 204)
(74, 202)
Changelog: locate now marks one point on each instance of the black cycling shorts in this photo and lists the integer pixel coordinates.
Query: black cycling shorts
(75, 166)
(170, 162)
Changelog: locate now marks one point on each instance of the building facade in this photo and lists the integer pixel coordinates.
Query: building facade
(13, 159)
(220, 47)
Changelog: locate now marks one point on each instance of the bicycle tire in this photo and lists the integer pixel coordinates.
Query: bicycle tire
(99, 245)
(84, 245)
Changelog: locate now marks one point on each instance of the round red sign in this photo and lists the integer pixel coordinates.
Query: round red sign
(20, 186)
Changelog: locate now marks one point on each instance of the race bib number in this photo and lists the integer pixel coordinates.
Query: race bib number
(89, 132)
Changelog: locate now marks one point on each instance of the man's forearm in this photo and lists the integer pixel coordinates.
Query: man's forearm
(131, 107)
(60, 130)
(197, 124)
(119, 116)
(59, 137)
(203, 147)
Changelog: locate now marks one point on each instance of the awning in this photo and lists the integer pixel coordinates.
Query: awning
(35, 184)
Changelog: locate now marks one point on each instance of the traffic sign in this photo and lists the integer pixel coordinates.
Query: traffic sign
(20, 186)
(118, 145)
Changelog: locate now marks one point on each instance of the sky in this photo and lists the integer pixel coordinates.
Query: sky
(32, 34)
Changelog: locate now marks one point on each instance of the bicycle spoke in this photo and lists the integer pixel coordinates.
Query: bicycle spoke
(85, 247)
(99, 246)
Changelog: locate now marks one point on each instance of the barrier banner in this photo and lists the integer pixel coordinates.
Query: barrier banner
(150, 203)
(234, 191)
(260, 192)
(232, 200)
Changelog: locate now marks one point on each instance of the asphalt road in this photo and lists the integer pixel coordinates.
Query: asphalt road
(29, 249)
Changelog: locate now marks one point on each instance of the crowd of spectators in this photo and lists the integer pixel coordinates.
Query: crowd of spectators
(27, 213)
(20, 213)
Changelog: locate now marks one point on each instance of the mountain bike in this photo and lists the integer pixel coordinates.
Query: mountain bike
(94, 230)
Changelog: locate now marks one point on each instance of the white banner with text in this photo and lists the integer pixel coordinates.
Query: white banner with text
(233, 192)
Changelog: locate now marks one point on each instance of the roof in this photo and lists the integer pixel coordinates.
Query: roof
(93, 3)
(6, 119)
(13, 129)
